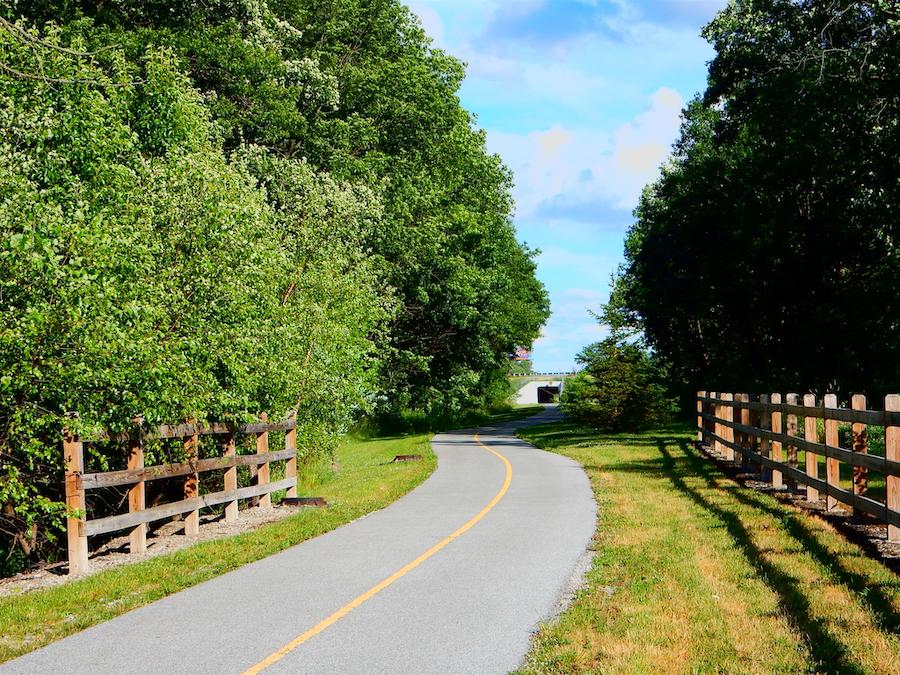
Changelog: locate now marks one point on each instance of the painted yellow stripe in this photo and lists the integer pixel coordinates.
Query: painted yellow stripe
(275, 657)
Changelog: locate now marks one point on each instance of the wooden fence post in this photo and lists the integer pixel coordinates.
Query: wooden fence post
(791, 424)
(728, 416)
(811, 433)
(777, 480)
(710, 425)
(746, 438)
(892, 452)
(859, 443)
(701, 423)
(717, 426)
(263, 473)
(192, 484)
(73, 454)
(832, 466)
(765, 423)
(137, 538)
(231, 508)
(290, 466)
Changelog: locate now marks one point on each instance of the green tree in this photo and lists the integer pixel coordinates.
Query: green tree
(766, 255)
(144, 271)
(621, 388)
(521, 367)
(213, 209)
(357, 90)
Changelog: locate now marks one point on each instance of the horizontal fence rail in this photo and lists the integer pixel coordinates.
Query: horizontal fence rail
(762, 430)
(77, 482)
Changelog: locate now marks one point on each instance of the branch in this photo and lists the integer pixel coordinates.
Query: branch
(13, 28)
(57, 80)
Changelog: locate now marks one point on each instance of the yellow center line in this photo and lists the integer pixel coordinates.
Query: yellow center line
(275, 657)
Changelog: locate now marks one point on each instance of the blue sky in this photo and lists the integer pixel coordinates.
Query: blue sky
(582, 101)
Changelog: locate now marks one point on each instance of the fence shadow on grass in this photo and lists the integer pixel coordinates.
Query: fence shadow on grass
(831, 655)
(876, 598)
(873, 597)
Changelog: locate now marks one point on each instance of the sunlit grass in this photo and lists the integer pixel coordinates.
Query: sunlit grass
(695, 573)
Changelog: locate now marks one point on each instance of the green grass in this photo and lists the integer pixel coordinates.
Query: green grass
(694, 573)
(364, 481)
(418, 422)
(517, 411)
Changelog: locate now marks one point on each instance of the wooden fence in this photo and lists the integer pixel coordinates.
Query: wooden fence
(762, 429)
(79, 527)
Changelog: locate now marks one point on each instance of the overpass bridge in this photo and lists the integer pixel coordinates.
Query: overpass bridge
(539, 387)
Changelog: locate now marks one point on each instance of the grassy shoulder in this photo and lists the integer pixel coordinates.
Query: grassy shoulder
(413, 422)
(364, 482)
(515, 412)
(696, 573)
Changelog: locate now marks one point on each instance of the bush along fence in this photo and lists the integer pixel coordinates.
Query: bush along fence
(79, 527)
(763, 429)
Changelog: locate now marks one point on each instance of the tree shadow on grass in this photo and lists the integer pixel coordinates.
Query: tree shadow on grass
(872, 596)
(571, 434)
(831, 655)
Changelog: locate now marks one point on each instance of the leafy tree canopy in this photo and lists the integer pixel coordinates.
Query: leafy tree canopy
(766, 255)
(209, 209)
(356, 89)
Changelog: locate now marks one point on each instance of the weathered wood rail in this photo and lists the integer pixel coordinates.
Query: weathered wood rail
(77, 482)
(761, 430)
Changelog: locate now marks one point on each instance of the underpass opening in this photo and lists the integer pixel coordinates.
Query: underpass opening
(547, 394)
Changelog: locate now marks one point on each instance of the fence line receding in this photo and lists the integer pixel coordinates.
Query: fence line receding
(762, 429)
(77, 482)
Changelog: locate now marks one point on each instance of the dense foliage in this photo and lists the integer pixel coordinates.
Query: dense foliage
(212, 209)
(356, 89)
(766, 256)
(622, 386)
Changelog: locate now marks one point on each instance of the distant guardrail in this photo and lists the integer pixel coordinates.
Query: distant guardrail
(542, 374)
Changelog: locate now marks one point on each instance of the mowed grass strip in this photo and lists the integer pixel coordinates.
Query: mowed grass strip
(694, 573)
(365, 481)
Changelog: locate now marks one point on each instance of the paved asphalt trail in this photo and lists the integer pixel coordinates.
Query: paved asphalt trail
(470, 608)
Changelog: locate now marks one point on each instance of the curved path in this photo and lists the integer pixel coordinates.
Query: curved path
(501, 540)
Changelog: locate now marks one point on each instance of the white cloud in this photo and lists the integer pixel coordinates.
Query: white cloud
(431, 21)
(570, 329)
(642, 144)
(577, 173)
(551, 142)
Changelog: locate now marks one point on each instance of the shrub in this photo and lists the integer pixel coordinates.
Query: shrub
(144, 271)
(621, 388)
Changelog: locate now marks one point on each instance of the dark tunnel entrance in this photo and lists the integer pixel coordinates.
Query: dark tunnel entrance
(547, 394)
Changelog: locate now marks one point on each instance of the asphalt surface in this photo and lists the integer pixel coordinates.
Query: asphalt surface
(470, 608)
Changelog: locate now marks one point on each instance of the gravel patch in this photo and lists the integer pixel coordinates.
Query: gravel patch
(164, 538)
